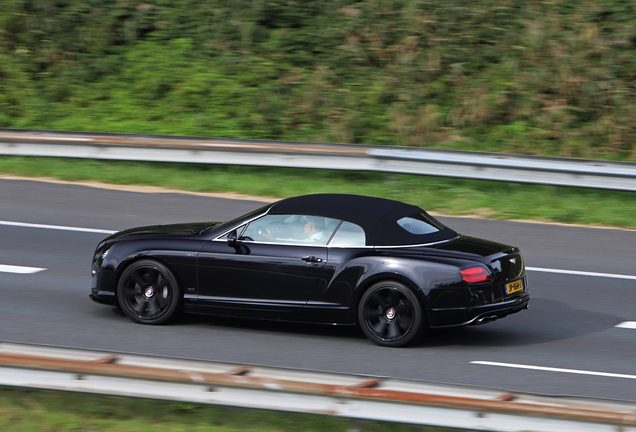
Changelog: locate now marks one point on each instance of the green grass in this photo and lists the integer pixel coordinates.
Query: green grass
(447, 196)
(53, 411)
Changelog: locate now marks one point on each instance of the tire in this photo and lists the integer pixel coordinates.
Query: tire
(390, 314)
(148, 292)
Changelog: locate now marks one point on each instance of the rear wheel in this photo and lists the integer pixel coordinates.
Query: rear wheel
(148, 292)
(390, 314)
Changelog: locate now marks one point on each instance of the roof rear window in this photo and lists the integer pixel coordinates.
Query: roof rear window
(420, 223)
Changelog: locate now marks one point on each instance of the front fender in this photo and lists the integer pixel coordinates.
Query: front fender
(178, 255)
(118, 257)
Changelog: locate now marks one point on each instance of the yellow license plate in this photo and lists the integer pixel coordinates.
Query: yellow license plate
(514, 287)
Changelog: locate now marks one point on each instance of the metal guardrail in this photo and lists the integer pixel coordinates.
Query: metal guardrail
(459, 164)
(349, 396)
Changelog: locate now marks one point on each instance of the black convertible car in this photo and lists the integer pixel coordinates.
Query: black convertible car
(386, 266)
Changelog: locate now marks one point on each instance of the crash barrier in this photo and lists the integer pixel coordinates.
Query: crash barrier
(405, 160)
(348, 396)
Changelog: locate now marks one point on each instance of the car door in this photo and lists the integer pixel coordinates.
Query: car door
(271, 264)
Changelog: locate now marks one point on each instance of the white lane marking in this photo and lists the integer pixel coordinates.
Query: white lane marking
(56, 227)
(100, 231)
(19, 269)
(582, 273)
(627, 325)
(551, 369)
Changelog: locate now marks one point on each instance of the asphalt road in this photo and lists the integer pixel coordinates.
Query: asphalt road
(570, 326)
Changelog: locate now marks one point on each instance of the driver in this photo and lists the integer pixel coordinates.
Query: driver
(313, 227)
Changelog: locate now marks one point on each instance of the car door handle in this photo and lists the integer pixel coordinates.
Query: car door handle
(311, 259)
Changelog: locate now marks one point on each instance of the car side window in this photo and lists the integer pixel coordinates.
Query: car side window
(293, 229)
(350, 235)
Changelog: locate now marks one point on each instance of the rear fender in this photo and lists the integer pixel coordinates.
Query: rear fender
(419, 275)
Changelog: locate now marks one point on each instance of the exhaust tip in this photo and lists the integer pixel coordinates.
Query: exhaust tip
(487, 319)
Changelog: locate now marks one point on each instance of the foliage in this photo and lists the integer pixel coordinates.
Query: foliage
(551, 78)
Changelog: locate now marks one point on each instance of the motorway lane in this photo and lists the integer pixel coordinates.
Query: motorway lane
(570, 324)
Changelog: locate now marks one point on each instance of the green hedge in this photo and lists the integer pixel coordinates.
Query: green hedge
(551, 78)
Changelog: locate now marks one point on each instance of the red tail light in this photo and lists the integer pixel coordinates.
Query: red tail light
(477, 274)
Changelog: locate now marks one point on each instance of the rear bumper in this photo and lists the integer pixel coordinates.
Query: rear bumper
(476, 315)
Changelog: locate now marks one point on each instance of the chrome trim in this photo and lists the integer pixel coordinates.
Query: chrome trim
(421, 244)
(344, 247)
(321, 305)
(350, 247)
(218, 238)
(307, 244)
(254, 302)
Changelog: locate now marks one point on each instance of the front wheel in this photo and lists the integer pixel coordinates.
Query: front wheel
(148, 292)
(390, 314)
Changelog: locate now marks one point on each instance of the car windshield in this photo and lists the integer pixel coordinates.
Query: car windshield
(231, 222)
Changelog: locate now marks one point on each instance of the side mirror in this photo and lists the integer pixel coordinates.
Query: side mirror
(232, 237)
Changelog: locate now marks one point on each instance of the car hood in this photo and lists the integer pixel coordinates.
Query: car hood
(183, 229)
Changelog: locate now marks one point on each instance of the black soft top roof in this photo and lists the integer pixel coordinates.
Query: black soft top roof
(377, 216)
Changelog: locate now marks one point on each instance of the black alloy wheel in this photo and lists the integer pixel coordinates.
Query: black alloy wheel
(390, 314)
(148, 292)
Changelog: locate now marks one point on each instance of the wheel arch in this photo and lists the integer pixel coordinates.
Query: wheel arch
(387, 276)
(135, 257)
(172, 292)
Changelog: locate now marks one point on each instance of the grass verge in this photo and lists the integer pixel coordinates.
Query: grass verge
(47, 411)
(493, 200)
